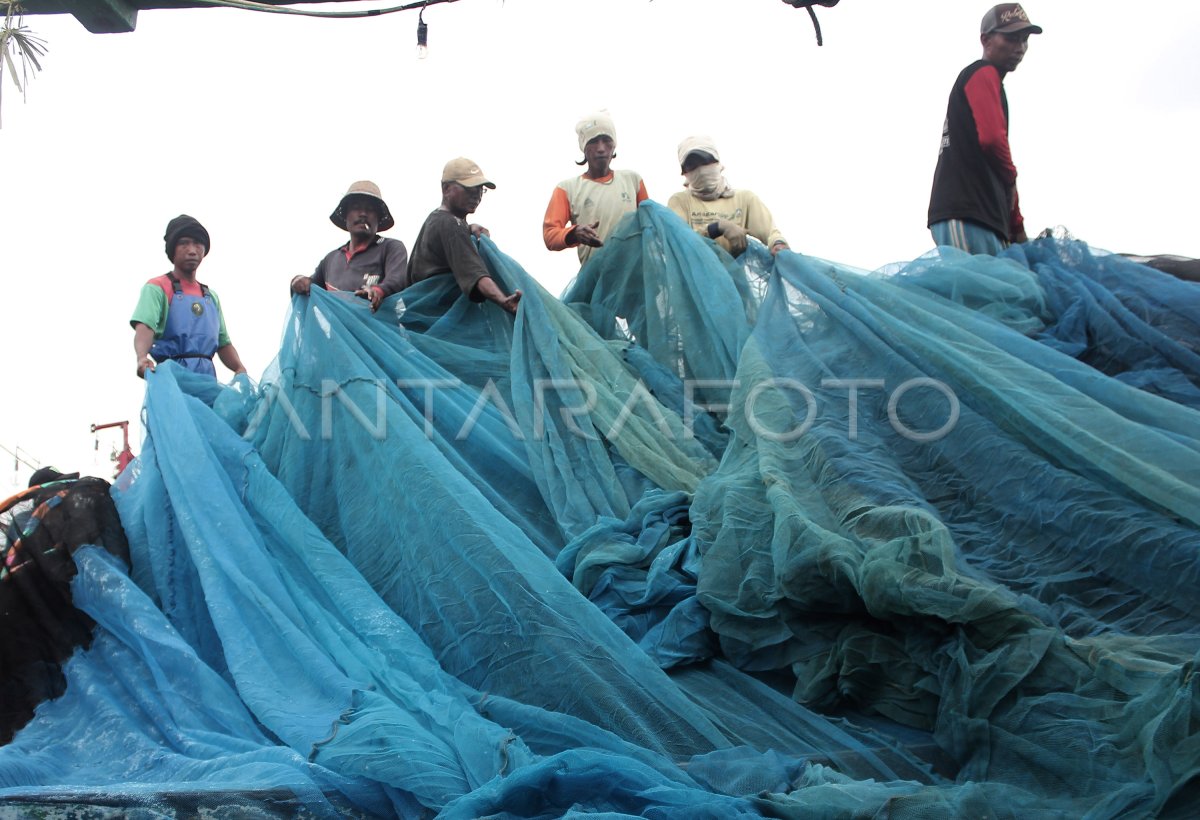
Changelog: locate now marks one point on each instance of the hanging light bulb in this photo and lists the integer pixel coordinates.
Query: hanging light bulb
(422, 36)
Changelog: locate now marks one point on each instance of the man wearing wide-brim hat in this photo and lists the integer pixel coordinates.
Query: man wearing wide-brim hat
(368, 265)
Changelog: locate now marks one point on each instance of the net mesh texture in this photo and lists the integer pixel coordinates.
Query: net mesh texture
(703, 537)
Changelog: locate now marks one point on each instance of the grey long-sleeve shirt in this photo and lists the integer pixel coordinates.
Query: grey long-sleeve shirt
(384, 264)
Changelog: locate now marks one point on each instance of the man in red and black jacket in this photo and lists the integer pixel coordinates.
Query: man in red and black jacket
(974, 205)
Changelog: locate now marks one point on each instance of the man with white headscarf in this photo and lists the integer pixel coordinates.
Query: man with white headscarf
(716, 210)
(584, 210)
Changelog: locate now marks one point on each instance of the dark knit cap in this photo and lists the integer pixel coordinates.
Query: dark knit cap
(47, 474)
(181, 226)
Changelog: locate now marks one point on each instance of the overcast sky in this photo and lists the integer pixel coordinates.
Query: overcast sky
(257, 123)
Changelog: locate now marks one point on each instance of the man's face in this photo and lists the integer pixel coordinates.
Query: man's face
(463, 200)
(696, 160)
(599, 150)
(189, 253)
(1005, 50)
(362, 218)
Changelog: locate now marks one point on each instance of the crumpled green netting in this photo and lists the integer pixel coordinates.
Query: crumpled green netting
(640, 552)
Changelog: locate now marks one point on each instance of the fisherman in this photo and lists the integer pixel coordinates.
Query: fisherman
(716, 210)
(445, 246)
(48, 475)
(584, 210)
(176, 316)
(41, 528)
(974, 205)
(368, 265)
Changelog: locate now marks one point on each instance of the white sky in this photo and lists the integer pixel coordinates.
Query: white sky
(256, 124)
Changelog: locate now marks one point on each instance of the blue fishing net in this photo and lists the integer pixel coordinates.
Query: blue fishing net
(1131, 322)
(705, 537)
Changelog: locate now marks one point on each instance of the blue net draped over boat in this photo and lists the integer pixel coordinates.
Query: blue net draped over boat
(705, 537)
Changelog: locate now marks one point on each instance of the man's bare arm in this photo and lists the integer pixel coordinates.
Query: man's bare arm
(489, 290)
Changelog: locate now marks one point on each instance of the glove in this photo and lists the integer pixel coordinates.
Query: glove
(734, 234)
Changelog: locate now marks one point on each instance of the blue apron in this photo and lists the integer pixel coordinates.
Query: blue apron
(192, 332)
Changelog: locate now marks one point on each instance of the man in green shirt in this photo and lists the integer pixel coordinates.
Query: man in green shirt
(177, 317)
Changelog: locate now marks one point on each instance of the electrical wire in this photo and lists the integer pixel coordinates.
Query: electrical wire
(17, 458)
(251, 5)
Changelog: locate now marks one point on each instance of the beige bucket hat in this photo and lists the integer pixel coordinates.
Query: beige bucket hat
(368, 189)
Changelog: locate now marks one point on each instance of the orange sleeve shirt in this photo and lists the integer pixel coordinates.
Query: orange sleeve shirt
(561, 217)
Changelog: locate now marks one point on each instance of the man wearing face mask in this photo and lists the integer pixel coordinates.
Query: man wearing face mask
(712, 208)
(370, 266)
(584, 210)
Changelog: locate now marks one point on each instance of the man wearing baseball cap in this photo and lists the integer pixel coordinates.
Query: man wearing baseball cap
(974, 205)
(445, 246)
(176, 316)
(368, 265)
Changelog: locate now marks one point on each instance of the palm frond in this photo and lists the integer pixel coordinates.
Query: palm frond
(17, 39)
